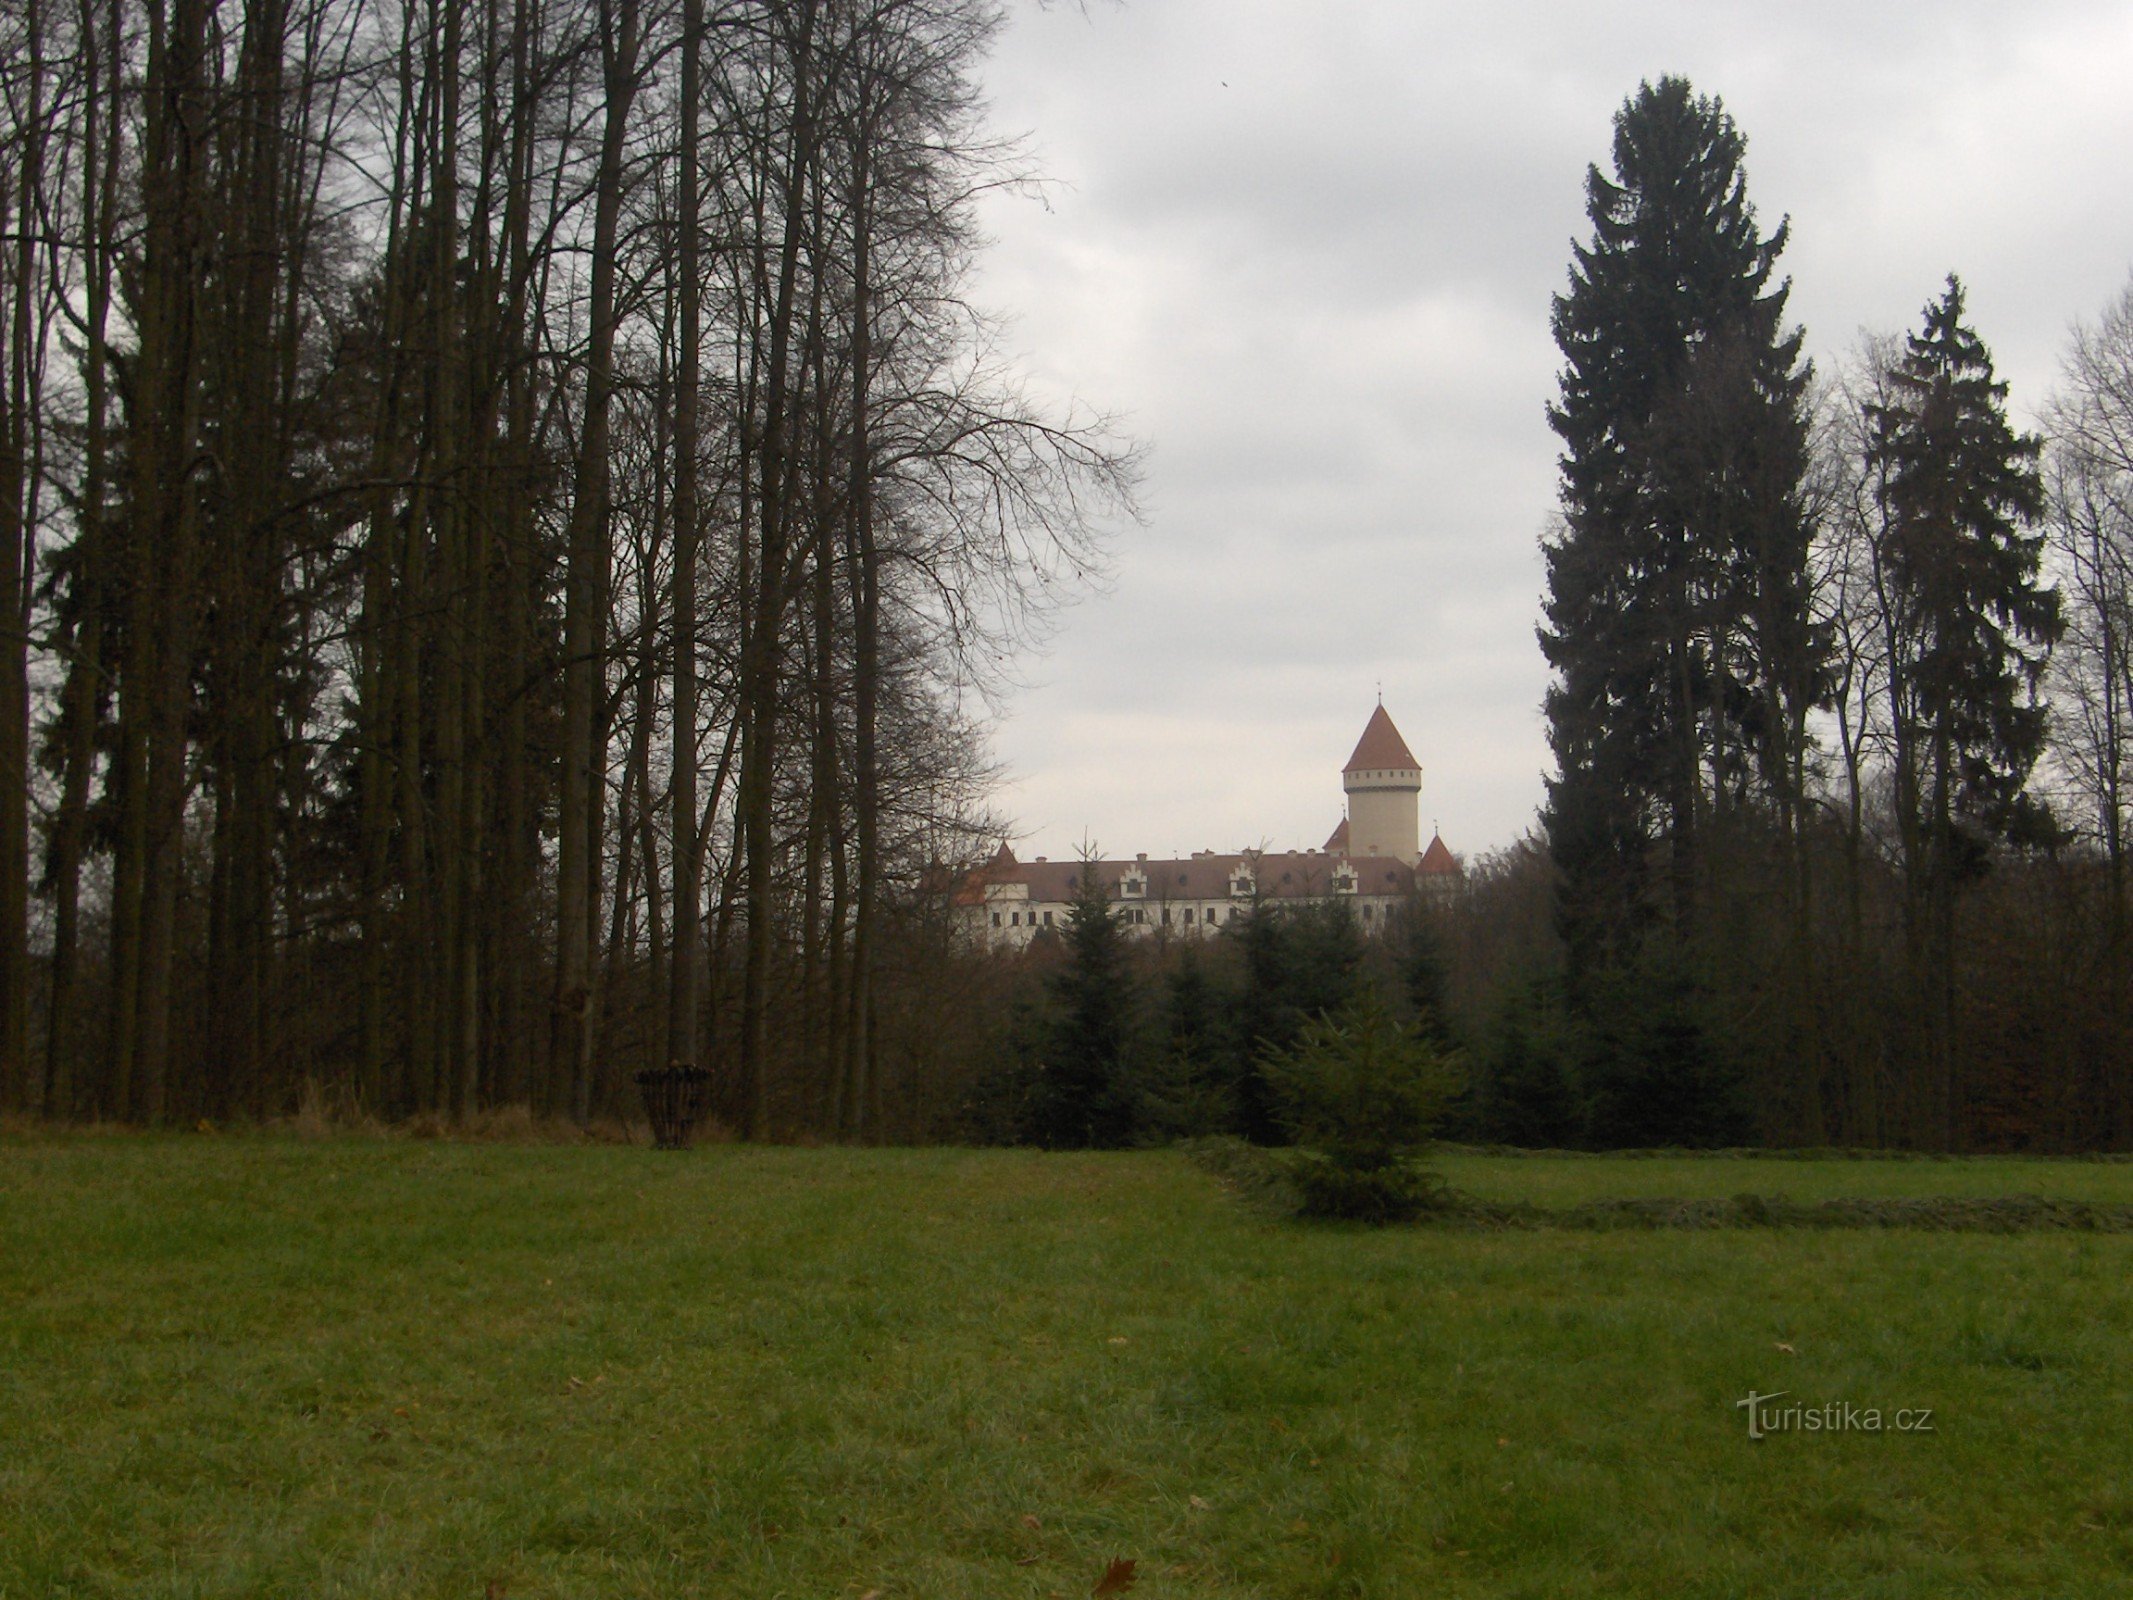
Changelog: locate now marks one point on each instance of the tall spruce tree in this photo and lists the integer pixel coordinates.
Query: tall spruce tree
(1969, 631)
(1676, 614)
(1963, 555)
(1083, 1097)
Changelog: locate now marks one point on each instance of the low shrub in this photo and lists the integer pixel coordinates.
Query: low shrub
(1360, 1093)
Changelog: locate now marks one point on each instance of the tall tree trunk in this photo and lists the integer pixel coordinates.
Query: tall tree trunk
(571, 1015)
(83, 696)
(766, 606)
(22, 405)
(156, 679)
(686, 851)
(864, 581)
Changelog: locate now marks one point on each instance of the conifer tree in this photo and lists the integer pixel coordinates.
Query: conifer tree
(1969, 631)
(1186, 1090)
(1083, 1098)
(1963, 556)
(1676, 615)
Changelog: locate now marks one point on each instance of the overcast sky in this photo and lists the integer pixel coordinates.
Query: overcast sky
(1305, 251)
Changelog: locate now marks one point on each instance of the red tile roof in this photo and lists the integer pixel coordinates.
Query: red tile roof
(1337, 843)
(1437, 860)
(1381, 747)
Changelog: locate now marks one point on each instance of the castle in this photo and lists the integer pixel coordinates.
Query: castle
(1374, 861)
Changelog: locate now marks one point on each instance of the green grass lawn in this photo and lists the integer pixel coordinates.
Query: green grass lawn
(242, 1366)
(1568, 1180)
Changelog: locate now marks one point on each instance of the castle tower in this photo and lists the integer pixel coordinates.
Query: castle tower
(1384, 784)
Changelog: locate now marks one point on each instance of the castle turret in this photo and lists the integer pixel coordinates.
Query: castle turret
(1384, 784)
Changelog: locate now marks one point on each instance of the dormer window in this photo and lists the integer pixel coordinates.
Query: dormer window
(1344, 879)
(1240, 885)
(1133, 885)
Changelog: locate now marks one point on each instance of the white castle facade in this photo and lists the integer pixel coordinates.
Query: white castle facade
(1374, 861)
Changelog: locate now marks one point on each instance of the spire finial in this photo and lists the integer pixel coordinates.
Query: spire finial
(1381, 691)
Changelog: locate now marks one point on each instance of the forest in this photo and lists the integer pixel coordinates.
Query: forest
(514, 520)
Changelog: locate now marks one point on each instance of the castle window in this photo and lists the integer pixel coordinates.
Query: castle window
(1047, 919)
(1188, 916)
(996, 919)
(1166, 916)
(1014, 919)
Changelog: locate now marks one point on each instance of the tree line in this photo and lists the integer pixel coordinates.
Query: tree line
(1096, 1039)
(1835, 848)
(504, 506)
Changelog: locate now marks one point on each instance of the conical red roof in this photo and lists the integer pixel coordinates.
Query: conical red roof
(1436, 859)
(1381, 748)
(1338, 843)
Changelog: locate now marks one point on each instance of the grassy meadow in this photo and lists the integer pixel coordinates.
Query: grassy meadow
(253, 1366)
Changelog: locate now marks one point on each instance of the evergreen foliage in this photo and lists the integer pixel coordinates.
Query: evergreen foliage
(1969, 627)
(1264, 1021)
(1083, 1097)
(1300, 963)
(1527, 1097)
(1676, 614)
(1424, 974)
(1653, 1073)
(1188, 1088)
(1975, 623)
(1361, 1093)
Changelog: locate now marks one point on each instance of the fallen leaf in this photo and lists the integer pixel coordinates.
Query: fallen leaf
(1198, 1504)
(1788, 1349)
(1501, 1443)
(1117, 1338)
(1030, 1519)
(494, 1590)
(1117, 1579)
